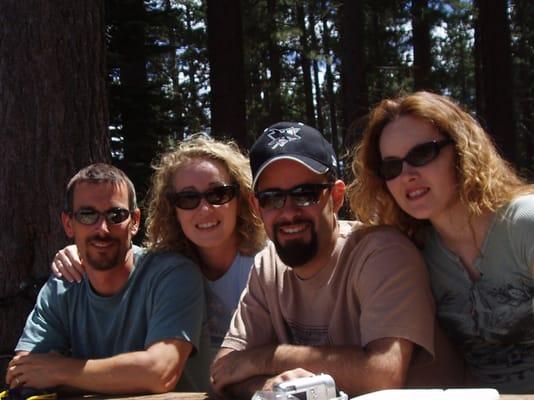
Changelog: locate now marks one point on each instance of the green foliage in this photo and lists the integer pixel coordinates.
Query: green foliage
(388, 51)
(522, 16)
(454, 51)
(176, 85)
(176, 79)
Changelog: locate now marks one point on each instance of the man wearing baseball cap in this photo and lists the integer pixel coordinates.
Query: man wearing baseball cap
(325, 296)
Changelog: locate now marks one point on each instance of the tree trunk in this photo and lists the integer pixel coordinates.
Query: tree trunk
(53, 110)
(353, 78)
(275, 109)
(133, 100)
(494, 74)
(330, 86)
(193, 89)
(315, 66)
(305, 65)
(523, 17)
(225, 47)
(422, 60)
(376, 54)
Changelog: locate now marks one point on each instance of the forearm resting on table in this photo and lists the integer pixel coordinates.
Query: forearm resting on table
(245, 389)
(156, 369)
(382, 364)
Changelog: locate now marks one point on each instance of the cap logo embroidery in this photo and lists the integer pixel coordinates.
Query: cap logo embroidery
(334, 161)
(280, 137)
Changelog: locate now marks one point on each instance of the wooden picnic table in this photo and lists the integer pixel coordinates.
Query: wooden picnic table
(162, 396)
(204, 396)
(517, 396)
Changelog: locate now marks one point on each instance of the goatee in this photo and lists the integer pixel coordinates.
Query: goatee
(296, 253)
(109, 258)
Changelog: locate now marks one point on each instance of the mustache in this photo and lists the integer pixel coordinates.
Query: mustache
(102, 238)
(293, 222)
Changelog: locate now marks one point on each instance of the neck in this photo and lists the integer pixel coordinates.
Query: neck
(214, 262)
(458, 226)
(321, 260)
(110, 282)
(464, 235)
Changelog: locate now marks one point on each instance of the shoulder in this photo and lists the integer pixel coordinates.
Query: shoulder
(59, 287)
(381, 250)
(515, 223)
(161, 259)
(169, 276)
(378, 237)
(267, 264)
(516, 217)
(240, 268)
(58, 293)
(266, 256)
(520, 208)
(166, 263)
(243, 262)
(346, 227)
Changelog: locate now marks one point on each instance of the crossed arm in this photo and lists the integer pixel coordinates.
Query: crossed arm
(382, 364)
(156, 369)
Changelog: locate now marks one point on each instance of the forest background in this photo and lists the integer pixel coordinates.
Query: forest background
(120, 80)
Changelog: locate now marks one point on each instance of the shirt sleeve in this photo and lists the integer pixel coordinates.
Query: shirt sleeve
(394, 292)
(251, 324)
(177, 303)
(46, 330)
(521, 231)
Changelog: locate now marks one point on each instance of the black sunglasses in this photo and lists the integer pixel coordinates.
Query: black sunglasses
(189, 200)
(302, 195)
(418, 156)
(113, 216)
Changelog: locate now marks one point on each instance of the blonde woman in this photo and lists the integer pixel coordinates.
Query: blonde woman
(427, 167)
(198, 206)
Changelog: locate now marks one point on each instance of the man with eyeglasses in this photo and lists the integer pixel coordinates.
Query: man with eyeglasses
(326, 296)
(137, 321)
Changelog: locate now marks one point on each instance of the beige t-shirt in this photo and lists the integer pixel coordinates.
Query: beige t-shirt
(375, 286)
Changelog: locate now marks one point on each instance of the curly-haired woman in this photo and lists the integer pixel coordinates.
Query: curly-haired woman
(198, 206)
(427, 167)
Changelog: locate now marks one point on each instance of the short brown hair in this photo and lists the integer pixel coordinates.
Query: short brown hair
(98, 173)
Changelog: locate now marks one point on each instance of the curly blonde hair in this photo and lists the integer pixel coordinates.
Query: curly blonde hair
(485, 180)
(163, 229)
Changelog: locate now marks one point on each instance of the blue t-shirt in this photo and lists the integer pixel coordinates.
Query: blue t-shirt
(162, 299)
(492, 319)
(222, 296)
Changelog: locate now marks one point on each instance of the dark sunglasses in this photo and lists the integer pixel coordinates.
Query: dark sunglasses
(418, 156)
(189, 200)
(113, 216)
(302, 195)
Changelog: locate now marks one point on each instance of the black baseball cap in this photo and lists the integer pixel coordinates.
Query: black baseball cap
(292, 141)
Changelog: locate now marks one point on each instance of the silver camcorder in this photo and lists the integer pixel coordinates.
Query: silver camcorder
(317, 387)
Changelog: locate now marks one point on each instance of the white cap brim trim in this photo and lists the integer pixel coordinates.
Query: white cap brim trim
(293, 158)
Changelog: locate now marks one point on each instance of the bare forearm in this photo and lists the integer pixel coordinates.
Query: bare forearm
(383, 364)
(125, 373)
(156, 369)
(354, 369)
(245, 389)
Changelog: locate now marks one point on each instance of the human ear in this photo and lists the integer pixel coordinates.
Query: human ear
(66, 220)
(338, 194)
(135, 221)
(254, 204)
